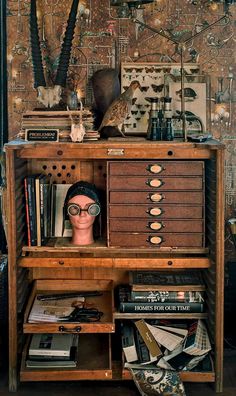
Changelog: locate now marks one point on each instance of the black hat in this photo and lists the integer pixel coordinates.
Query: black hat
(82, 188)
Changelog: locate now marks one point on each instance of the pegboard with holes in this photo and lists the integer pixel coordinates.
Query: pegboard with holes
(71, 171)
(63, 172)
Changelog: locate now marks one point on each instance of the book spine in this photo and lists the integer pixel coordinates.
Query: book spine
(32, 210)
(38, 218)
(166, 307)
(164, 278)
(47, 210)
(141, 348)
(43, 210)
(165, 296)
(27, 213)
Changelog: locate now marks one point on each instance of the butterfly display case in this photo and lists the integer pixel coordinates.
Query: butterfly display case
(158, 80)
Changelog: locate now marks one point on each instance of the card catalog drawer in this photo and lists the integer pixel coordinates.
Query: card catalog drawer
(156, 211)
(155, 183)
(174, 168)
(142, 225)
(178, 197)
(142, 240)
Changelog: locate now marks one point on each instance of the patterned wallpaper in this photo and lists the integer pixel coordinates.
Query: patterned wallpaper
(106, 37)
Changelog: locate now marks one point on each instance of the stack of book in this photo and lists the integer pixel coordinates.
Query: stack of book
(44, 202)
(52, 351)
(180, 346)
(60, 121)
(162, 292)
(37, 203)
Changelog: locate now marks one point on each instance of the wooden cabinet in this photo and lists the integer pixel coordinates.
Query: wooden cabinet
(164, 206)
(147, 206)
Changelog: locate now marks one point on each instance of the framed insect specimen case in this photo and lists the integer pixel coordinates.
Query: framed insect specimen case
(163, 79)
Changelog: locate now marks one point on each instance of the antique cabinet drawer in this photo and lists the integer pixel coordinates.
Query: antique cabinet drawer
(142, 225)
(104, 303)
(178, 197)
(157, 183)
(156, 211)
(174, 168)
(158, 240)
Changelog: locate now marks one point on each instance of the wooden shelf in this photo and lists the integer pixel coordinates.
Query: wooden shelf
(94, 362)
(60, 253)
(187, 376)
(115, 263)
(100, 248)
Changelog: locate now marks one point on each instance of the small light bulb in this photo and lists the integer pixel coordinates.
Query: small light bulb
(213, 7)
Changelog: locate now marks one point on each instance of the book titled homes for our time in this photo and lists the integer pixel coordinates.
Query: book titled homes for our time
(172, 307)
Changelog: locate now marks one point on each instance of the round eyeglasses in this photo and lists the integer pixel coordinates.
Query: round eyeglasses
(74, 209)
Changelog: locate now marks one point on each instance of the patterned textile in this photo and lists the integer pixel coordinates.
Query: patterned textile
(156, 381)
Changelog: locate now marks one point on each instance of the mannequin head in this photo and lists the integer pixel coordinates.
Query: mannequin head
(82, 207)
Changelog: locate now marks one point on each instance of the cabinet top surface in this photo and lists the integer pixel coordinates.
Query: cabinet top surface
(121, 148)
(115, 142)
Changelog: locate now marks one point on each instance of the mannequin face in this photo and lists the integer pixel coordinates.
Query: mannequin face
(82, 221)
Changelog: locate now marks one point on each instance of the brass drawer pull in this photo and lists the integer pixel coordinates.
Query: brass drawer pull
(154, 211)
(155, 225)
(156, 197)
(155, 240)
(155, 168)
(76, 329)
(154, 183)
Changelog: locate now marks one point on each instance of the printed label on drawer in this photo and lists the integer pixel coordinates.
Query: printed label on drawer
(155, 225)
(155, 240)
(155, 211)
(156, 197)
(154, 183)
(156, 168)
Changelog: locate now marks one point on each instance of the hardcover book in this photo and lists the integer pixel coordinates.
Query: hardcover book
(185, 362)
(51, 345)
(42, 199)
(60, 226)
(166, 295)
(144, 356)
(161, 307)
(148, 338)
(51, 363)
(128, 342)
(197, 341)
(30, 199)
(169, 338)
(156, 280)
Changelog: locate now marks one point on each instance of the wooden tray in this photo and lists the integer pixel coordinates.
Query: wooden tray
(104, 303)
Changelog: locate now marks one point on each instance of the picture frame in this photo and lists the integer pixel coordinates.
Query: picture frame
(151, 77)
(197, 103)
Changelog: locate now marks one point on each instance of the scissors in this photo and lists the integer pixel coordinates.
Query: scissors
(83, 315)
